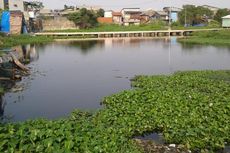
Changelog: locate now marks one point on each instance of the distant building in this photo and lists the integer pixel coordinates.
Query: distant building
(161, 15)
(145, 18)
(150, 13)
(226, 21)
(172, 13)
(17, 5)
(12, 5)
(111, 17)
(108, 14)
(131, 16)
(212, 8)
(2, 4)
(117, 17)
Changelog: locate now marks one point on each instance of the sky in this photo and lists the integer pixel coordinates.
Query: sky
(143, 4)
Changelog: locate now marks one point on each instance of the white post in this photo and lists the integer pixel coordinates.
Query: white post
(170, 12)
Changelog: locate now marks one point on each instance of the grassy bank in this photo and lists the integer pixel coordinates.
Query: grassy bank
(189, 108)
(1, 90)
(1, 53)
(209, 37)
(158, 25)
(10, 41)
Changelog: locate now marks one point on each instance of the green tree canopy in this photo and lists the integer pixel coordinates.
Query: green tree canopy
(221, 13)
(84, 18)
(100, 13)
(36, 5)
(68, 7)
(191, 15)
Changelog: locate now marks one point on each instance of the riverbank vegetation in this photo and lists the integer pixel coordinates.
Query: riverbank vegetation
(189, 108)
(194, 15)
(1, 53)
(209, 37)
(156, 25)
(1, 90)
(9, 41)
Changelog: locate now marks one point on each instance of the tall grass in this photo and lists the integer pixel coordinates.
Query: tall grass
(221, 37)
(1, 90)
(222, 34)
(9, 41)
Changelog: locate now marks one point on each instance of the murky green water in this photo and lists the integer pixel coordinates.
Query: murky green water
(72, 75)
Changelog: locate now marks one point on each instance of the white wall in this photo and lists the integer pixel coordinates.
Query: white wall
(16, 5)
(108, 14)
(1, 4)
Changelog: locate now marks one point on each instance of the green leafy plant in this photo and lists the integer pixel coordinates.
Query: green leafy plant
(209, 37)
(9, 41)
(189, 108)
(84, 18)
(1, 90)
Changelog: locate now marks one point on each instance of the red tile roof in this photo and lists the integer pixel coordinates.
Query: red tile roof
(117, 14)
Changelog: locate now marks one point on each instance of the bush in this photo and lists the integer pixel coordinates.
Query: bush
(84, 18)
(214, 24)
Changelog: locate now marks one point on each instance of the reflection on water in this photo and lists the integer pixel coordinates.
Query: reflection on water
(67, 75)
(1, 106)
(155, 137)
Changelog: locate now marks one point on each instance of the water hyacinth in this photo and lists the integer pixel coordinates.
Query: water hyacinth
(189, 108)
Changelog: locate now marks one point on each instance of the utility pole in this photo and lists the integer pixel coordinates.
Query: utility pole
(170, 14)
(185, 18)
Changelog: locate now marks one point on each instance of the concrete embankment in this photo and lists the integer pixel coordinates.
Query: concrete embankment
(159, 33)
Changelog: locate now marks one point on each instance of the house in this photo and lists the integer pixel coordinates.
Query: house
(172, 13)
(131, 16)
(16, 5)
(226, 21)
(107, 19)
(212, 8)
(4, 4)
(13, 5)
(145, 18)
(150, 13)
(108, 14)
(161, 15)
(117, 17)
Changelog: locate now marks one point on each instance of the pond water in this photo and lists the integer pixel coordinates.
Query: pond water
(68, 75)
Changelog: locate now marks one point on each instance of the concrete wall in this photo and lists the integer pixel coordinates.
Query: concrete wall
(16, 5)
(16, 23)
(58, 23)
(117, 19)
(1, 4)
(108, 14)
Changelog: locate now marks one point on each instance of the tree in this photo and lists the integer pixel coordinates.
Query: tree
(221, 13)
(84, 18)
(66, 7)
(100, 12)
(36, 5)
(192, 15)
